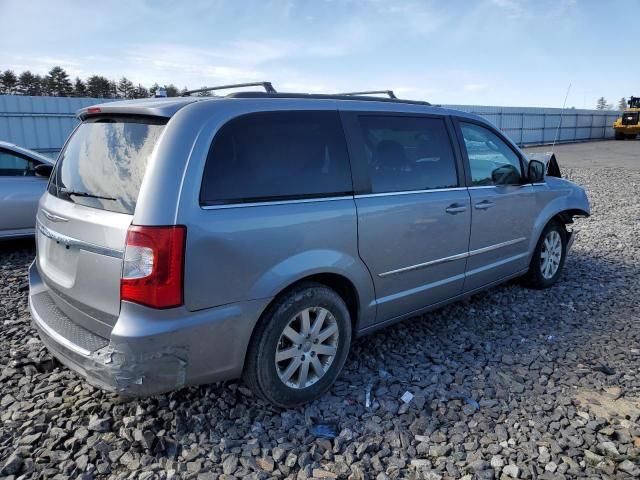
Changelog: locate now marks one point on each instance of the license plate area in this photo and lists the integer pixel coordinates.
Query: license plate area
(58, 260)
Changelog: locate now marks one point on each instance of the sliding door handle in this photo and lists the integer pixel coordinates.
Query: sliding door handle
(455, 208)
(484, 205)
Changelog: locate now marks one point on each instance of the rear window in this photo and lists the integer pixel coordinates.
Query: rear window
(277, 156)
(103, 164)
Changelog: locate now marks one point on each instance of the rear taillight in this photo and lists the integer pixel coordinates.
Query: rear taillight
(152, 273)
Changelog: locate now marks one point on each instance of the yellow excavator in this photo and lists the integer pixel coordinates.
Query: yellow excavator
(628, 124)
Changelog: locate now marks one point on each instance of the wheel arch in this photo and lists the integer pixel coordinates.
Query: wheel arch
(567, 204)
(339, 283)
(566, 216)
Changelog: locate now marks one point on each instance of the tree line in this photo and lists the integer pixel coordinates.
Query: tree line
(57, 83)
(602, 104)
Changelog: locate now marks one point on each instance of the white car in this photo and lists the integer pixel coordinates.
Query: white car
(23, 179)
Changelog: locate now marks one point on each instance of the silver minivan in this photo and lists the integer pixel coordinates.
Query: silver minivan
(189, 240)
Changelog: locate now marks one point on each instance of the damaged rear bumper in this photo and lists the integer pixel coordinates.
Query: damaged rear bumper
(149, 351)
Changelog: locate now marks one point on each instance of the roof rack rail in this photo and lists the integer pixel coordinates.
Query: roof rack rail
(322, 96)
(370, 92)
(266, 85)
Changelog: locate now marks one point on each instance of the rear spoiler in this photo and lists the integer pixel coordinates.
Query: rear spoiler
(150, 107)
(552, 168)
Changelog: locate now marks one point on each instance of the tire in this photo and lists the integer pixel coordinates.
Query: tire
(541, 274)
(619, 135)
(631, 136)
(267, 378)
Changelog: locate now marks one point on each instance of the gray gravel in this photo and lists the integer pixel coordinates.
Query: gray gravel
(512, 383)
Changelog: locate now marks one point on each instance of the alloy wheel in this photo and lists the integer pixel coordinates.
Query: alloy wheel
(551, 254)
(307, 347)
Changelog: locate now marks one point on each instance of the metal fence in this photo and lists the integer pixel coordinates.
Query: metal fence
(43, 123)
(539, 126)
(40, 123)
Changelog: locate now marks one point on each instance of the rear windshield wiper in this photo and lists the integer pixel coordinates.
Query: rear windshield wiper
(84, 194)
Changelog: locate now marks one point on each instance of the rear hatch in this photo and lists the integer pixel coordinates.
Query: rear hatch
(82, 223)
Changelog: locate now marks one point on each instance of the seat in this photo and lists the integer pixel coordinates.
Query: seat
(390, 167)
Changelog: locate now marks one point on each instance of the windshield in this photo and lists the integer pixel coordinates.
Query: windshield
(103, 164)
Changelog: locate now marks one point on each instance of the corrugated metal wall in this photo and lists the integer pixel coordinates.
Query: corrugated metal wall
(537, 126)
(40, 123)
(43, 123)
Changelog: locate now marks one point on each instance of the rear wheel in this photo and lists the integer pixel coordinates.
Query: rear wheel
(631, 136)
(299, 346)
(548, 257)
(619, 135)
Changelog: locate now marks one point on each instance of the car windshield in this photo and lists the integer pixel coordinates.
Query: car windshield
(104, 162)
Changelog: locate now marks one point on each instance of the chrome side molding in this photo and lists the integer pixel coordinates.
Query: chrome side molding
(458, 256)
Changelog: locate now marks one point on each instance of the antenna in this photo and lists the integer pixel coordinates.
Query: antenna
(560, 123)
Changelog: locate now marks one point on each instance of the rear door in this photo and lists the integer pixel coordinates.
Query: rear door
(20, 190)
(503, 206)
(413, 210)
(83, 221)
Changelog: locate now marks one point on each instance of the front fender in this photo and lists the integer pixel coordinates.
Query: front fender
(559, 196)
(318, 261)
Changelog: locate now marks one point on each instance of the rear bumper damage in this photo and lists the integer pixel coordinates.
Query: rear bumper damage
(149, 351)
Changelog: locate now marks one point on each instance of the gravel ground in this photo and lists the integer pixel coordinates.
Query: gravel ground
(510, 383)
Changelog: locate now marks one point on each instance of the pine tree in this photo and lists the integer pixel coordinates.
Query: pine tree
(113, 89)
(79, 88)
(98, 87)
(40, 87)
(58, 83)
(8, 83)
(140, 92)
(125, 88)
(154, 88)
(29, 84)
(622, 104)
(172, 90)
(602, 104)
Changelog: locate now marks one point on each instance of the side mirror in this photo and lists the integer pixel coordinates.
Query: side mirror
(44, 170)
(506, 175)
(535, 171)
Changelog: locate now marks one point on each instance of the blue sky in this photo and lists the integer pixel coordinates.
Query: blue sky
(490, 52)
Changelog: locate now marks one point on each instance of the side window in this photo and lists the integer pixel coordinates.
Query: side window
(407, 153)
(277, 155)
(491, 160)
(12, 165)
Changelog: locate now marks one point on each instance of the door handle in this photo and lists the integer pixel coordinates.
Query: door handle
(455, 208)
(484, 205)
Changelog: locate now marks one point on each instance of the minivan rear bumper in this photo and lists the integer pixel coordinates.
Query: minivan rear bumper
(149, 351)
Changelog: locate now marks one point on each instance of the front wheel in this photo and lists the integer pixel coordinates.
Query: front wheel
(619, 135)
(548, 257)
(299, 347)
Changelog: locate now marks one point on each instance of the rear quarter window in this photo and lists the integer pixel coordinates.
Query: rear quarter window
(281, 155)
